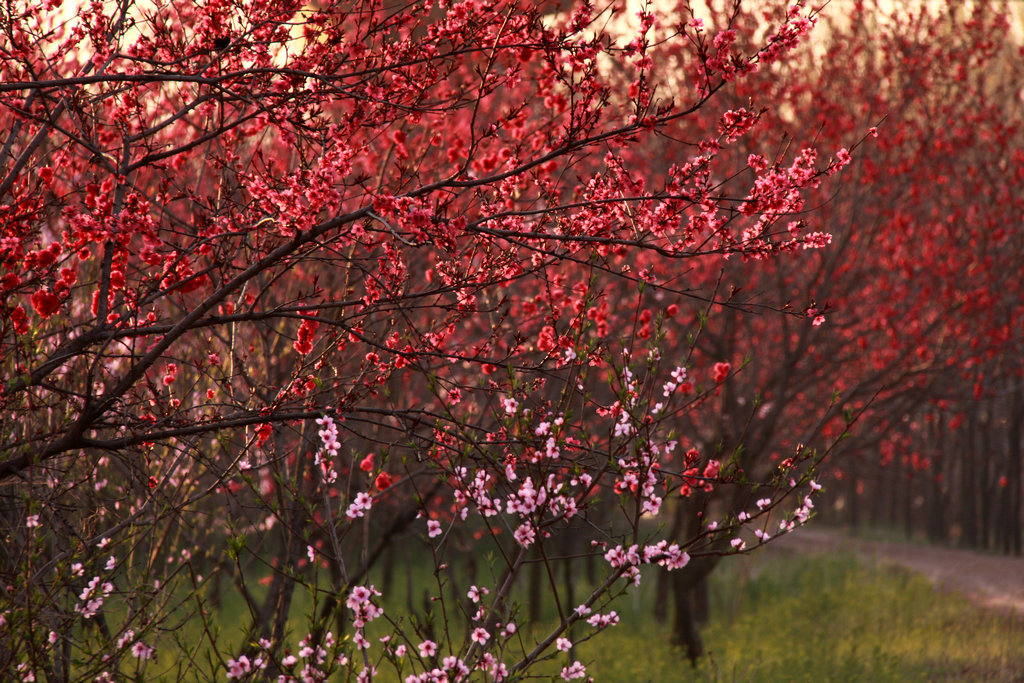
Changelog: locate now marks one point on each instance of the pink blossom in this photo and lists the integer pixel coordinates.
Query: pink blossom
(604, 620)
(427, 648)
(453, 663)
(575, 670)
(239, 667)
(433, 528)
(142, 651)
(475, 593)
(125, 638)
(524, 534)
(362, 503)
(329, 434)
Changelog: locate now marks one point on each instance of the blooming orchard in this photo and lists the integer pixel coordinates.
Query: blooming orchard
(287, 287)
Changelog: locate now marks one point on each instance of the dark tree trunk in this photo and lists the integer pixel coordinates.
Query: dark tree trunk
(908, 506)
(988, 496)
(664, 584)
(968, 488)
(897, 494)
(689, 586)
(1012, 517)
(701, 602)
(937, 504)
(661, 596)
(685, 628)
(853, 501)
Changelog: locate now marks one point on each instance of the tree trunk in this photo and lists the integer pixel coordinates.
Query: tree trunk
(1012, 543)
(685, 628)
(968, 489)
(701, 602)
(908, 506)
(853, 501)
(661, 596)
(987, 498)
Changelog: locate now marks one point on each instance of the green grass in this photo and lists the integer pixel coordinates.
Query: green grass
(778, 618)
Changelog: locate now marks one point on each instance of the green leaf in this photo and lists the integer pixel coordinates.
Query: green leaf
(236, 544)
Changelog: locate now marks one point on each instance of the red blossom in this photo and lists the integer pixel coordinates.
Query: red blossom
(170, 373)
(19, 319)
(304, 339)
(10, 281)
(45, 303)
(721, 371)
(263, 433)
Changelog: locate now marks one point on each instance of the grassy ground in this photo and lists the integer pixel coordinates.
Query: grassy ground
(778, 618)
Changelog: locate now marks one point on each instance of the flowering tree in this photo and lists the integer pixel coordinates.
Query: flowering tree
(913, 300)
(919, 279)
(287, 285)
(943, 176)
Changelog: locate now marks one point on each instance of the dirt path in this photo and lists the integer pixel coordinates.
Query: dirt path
(992, 581)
